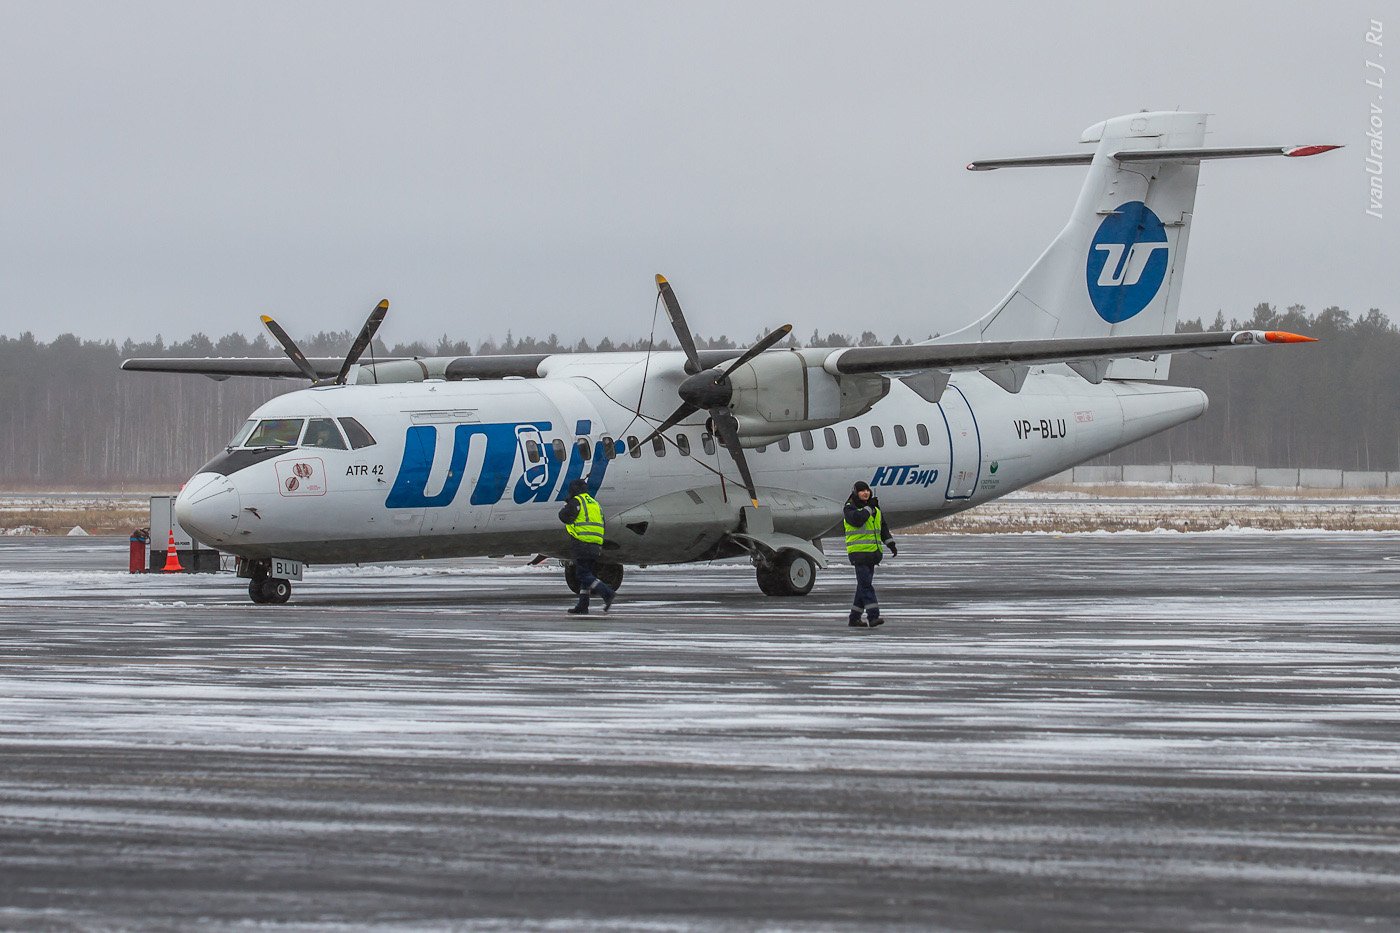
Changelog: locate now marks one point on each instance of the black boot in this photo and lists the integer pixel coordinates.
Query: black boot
(581, 609)
(855, 621)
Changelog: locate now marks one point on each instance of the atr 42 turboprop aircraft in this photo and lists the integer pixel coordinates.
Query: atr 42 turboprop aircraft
(442, 457)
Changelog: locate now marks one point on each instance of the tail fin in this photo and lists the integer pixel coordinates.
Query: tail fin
(1116, 267)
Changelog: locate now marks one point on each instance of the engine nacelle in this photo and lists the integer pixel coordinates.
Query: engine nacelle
(779, 393)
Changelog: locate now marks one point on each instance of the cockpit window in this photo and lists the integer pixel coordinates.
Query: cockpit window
(276, 432)
(242, 434)
(322, 432)
(359, 437)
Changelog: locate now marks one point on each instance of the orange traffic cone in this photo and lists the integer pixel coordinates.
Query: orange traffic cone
(172, 559)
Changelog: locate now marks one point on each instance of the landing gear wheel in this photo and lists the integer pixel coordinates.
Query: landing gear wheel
(791, 574)
(255, 591)
(610, 574)
(797, 573)
(274, 590)
(768, 580)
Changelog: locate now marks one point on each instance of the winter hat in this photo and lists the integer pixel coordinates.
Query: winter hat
(861, 486)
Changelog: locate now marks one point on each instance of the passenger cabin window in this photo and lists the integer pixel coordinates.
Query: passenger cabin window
(634, 447)
(807, 442)
(923, 434)
(853, 436)
(707, 441)
(357, 434)
(532, 451)
(276, 432)
(901, 437)
(877, 437)
(560, 453)
(830, 435)
(683, 444)
(322, 432)
(658, 445)
(609, 447)
(583, 449)
(785, 445)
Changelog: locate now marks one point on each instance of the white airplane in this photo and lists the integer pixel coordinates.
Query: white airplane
(471, 456)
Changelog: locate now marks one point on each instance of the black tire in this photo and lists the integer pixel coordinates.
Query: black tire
(276, 590)
(255, 592)
(611, 575)
(768, 581)
(795, 573)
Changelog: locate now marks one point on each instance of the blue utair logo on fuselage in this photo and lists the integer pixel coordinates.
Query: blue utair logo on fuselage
(1127, 262)
(503, 444)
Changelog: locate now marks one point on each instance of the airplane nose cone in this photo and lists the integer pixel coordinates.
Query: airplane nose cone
(208, 508)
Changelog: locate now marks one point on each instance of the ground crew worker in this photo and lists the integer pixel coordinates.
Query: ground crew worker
(583, 519)
(865, 532)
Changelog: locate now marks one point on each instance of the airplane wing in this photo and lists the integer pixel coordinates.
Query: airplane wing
(279, 367)
(1007, 362)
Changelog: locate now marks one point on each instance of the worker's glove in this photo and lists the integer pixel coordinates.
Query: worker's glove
(894, 551)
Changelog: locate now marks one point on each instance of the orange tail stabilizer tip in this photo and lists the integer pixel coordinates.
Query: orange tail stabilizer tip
(1283, 336)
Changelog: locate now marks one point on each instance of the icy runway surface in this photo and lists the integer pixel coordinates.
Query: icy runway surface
(1075, 732)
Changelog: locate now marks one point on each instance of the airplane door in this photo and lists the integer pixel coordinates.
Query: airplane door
(964, 444)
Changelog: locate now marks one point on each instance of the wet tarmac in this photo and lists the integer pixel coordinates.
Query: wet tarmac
(1133, 731)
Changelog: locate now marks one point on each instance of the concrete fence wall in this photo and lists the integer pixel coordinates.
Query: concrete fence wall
(1206, 474)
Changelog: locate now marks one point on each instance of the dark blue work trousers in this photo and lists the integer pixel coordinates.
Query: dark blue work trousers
(865, 592)
(586, 571)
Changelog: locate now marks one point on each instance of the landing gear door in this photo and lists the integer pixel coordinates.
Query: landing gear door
(964, 443)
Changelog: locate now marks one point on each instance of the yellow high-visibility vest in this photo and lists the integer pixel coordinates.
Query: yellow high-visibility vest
(864, 538)
(587, 526)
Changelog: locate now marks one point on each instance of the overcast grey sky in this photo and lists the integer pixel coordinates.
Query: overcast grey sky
(186, 167)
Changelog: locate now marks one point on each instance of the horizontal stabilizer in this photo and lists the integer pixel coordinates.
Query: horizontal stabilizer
(1186, 154)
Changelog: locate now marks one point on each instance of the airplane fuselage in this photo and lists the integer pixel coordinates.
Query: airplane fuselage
(480, 468)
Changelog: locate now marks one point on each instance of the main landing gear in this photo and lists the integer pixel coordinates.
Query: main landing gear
(262, 587)
(610, 574)
(789, 573)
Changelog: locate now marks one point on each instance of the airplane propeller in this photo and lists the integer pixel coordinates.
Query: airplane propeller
(357, 349)
(710, 389)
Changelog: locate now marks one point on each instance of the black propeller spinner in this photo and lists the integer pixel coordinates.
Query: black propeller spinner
(357, 349)
(710, 389)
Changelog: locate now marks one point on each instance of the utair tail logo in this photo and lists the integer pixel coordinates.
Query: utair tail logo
(1127, 262)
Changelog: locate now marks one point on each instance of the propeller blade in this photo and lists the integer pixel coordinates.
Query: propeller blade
(759, 347)
(289, 345)
(678, 324)
(677, 416)
(727, 427)
(357, 349)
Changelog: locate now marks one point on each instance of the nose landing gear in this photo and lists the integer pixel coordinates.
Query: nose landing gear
(263, 588)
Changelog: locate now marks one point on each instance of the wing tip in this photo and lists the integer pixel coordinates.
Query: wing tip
(1283, 336)
(1298, 152)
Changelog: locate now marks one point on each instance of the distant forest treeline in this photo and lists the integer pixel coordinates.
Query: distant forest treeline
(71, 417)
